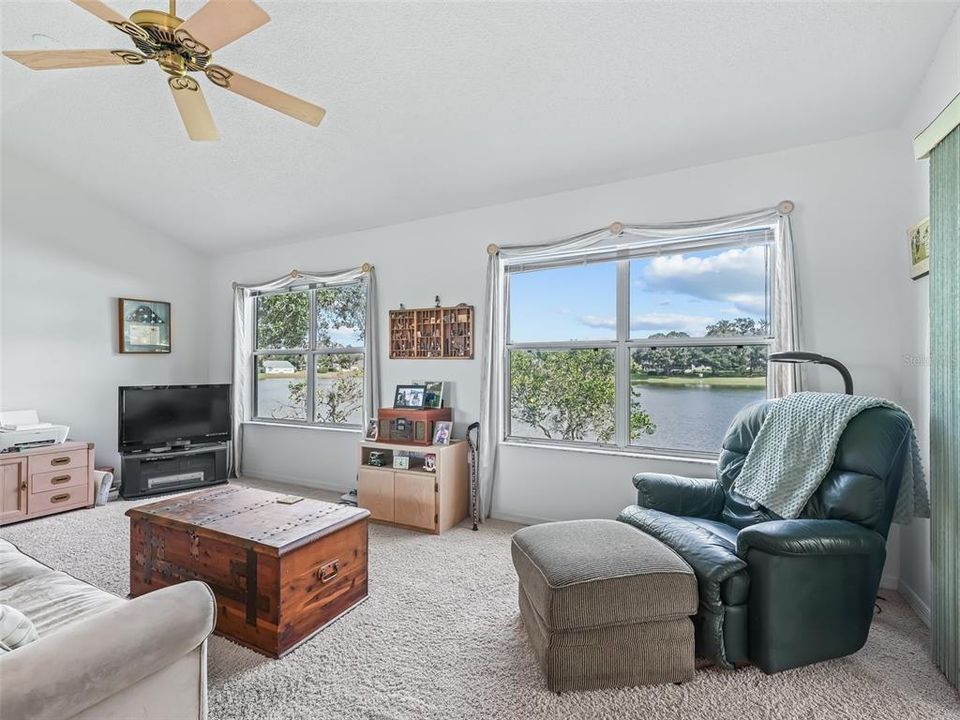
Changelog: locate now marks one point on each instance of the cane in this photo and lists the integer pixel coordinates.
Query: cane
(473, 440)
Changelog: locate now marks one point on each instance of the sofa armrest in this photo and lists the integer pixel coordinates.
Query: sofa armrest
(72, 669)
(809, 537)
(676, 495)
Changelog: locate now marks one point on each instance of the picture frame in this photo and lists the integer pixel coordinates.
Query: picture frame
(435, 394)
(373, 431)
(410, 396)
(918, 238)
(144, 326)
(430, 462)
(442, 432)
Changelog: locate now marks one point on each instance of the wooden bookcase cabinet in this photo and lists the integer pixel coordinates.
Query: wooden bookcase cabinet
(46, 480)
(443, 333)
(415, 498)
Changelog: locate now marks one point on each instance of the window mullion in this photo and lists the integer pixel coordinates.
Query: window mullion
(312, 358)
(622, 401)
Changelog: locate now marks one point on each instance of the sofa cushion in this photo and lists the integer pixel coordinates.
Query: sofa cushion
(49, 598)
(596, 573)
(16, 567)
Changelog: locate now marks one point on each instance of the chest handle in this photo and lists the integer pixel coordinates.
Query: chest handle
(328, 572)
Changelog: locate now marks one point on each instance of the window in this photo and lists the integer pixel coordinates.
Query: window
(308, 355)
(653, 350)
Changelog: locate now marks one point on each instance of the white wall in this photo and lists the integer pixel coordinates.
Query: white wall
(65, 258)
(848, 235)
(940, 85)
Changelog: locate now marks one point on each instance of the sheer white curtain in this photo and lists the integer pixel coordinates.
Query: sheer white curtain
(244, 335)
(783, 379)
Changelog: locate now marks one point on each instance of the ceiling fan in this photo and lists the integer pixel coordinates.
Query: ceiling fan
(181, 47)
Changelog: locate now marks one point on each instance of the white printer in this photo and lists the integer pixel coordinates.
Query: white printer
(23, 429)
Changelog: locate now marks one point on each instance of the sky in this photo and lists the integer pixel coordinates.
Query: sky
(683, 291)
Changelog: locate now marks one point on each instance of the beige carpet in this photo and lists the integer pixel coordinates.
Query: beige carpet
(440, 638)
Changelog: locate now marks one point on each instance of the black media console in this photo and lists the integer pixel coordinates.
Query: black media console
(152, 473)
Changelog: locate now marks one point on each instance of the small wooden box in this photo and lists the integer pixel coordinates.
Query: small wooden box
(280, 572)
(418, 425)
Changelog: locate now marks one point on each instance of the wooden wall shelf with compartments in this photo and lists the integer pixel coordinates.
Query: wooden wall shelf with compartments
(436, 332)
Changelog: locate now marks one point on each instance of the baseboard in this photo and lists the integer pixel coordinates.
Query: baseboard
(519, 519)
(269, 475)
(916, 604)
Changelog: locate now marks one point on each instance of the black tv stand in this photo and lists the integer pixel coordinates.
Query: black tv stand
(144, 473)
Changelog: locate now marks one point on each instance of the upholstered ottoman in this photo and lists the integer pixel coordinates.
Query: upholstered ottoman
(604, 605)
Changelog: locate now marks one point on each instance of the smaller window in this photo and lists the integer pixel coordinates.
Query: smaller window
(309, 355)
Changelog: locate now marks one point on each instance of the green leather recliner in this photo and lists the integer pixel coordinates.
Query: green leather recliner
(783, 593)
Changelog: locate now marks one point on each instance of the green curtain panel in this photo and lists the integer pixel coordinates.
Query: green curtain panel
(945, 403)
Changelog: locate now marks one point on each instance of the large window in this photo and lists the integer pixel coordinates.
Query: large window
(308, 355)
(655, 350)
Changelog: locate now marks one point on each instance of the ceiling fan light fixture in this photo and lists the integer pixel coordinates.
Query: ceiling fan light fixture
(181, 47)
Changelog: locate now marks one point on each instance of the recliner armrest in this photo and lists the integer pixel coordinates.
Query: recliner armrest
(809, 537)
(676, 495)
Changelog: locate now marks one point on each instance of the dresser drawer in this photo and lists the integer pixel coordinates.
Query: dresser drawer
(56, 500)
(59, 480)
(58, 461)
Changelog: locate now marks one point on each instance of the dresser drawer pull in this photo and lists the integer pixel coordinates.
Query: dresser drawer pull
(62, 497)
(328, 572)
(60, 479)
(60, 461)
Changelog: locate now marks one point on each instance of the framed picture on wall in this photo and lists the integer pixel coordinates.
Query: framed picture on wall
(919, 237)
(143, 326)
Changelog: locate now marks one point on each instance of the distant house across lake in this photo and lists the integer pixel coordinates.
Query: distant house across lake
(278, 367)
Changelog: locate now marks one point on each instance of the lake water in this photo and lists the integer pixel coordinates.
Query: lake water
(273, 398)
(688, 417)
(692, 417)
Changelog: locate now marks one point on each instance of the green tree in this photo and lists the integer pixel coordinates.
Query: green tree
(570, 394)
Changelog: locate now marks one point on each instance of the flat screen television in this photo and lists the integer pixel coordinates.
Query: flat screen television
(173, 415)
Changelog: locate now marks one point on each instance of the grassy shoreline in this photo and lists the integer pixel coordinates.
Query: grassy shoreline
(756, 383)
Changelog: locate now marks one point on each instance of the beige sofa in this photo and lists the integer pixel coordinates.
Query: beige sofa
(100, 656)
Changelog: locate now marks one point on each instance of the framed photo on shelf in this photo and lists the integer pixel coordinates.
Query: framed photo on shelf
(143, 326)
(430, 462)
(410, 396)
(373, 430)
(435, 392)
(442, 432)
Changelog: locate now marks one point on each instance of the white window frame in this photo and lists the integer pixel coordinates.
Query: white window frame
(312, 352)
(623, 346)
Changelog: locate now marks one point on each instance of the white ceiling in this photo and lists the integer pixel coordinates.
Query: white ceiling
(434, 108)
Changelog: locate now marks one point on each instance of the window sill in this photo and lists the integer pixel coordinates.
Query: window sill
(638, 454)
(332, 428)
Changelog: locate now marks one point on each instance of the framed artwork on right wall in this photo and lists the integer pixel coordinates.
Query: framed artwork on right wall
(919, 238)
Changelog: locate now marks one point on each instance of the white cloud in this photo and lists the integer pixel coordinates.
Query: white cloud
(649, 323)
(737, 276)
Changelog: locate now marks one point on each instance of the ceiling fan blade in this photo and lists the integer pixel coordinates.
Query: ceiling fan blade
(193, 108)
(64, 59)
(266, 95)
(220, 22)
(102, 11)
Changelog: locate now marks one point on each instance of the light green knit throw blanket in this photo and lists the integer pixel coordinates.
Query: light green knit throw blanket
(794, 451)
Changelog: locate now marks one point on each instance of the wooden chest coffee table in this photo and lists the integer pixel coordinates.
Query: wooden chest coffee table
(280, 572)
